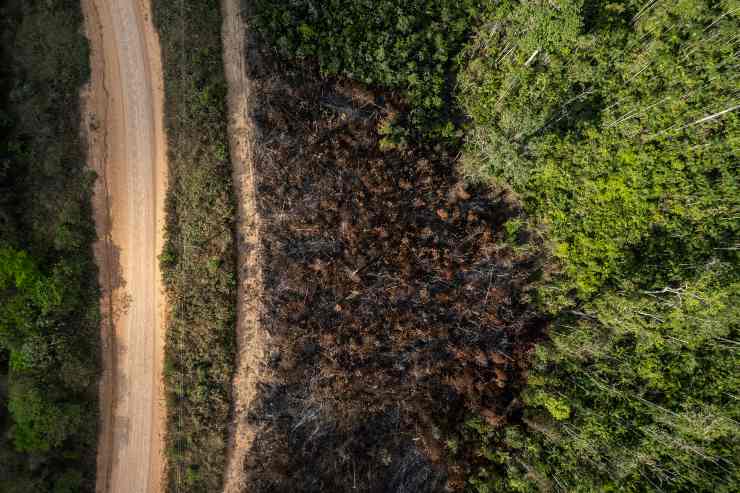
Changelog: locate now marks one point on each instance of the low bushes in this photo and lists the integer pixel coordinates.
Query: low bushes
(198, 261)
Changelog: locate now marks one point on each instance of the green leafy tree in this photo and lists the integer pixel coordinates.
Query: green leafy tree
(608, 121)
(40, 424)
(28, 297)
(48, 290)
(408, 46)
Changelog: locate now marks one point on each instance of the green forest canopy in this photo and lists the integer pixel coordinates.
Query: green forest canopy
(615, 123)
(48, 290)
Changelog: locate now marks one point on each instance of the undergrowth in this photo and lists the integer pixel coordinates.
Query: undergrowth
(198, 261)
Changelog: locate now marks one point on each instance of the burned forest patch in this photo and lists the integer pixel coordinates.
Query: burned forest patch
(394, 304)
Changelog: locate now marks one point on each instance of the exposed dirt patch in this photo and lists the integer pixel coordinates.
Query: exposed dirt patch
(391, 301)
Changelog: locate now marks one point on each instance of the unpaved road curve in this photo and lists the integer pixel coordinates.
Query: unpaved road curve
(127, 149)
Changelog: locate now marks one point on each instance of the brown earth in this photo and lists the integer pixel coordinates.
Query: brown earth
(251, 337)
(127, 150)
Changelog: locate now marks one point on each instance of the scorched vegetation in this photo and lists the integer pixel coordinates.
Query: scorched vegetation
(392, 299)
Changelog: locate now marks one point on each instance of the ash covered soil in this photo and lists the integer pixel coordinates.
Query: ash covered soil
(394, 308)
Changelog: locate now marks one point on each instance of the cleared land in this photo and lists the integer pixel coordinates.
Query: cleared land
(127, 150)
(389, 299)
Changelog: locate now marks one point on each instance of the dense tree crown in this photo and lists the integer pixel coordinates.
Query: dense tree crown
(407, 46)
(611, 124)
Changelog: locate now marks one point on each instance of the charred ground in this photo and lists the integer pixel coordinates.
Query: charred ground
(393, 304)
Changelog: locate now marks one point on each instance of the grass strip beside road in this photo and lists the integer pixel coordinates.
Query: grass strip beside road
(199, 259)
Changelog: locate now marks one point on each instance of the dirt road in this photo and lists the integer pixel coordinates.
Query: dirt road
(251, 336)
(127, 149)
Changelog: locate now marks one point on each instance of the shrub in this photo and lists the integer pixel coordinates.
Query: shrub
(199, 258)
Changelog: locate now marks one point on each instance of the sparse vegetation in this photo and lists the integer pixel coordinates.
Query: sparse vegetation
(49, 307)
(198, 260)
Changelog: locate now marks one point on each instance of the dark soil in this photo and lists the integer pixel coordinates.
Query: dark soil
(393, 304)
